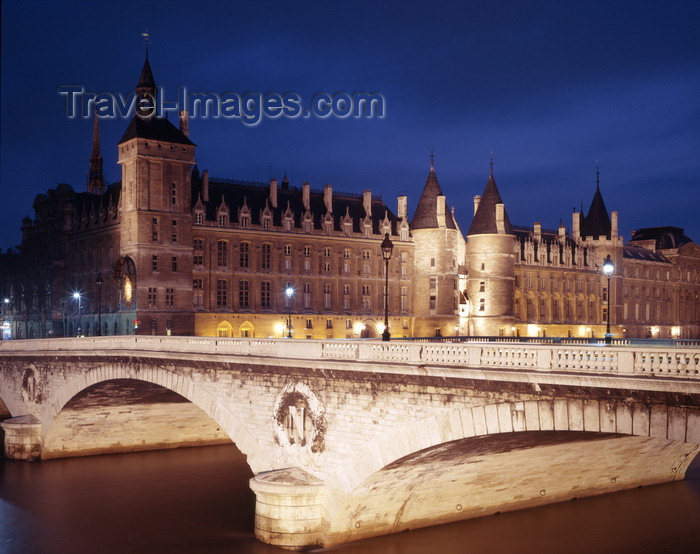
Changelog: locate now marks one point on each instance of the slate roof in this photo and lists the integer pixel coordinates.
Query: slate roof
(425, 216)
(484, 222)
(154, 129)
(665, 238)
(640, 253)
(597, 223)
(256, 196)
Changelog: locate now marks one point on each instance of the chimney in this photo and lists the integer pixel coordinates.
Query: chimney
(576, 225)
(613, 226)
(306, 196)
(538, 231)
(205, 185)
(501, 218)
(185, 123)
(273, 192)
(402, 207)
(477, 201)
(367, 202)
(440, 211)
(328, 198)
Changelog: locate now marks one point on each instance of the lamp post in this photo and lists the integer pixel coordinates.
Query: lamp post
(608, 268)
(387, 247)
(77, 296)
(6, 330)
(99, 282)
(289, 291)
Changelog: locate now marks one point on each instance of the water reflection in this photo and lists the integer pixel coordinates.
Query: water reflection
(198, 500)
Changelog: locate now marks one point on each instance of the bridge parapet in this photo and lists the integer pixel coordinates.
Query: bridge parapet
(644, 360)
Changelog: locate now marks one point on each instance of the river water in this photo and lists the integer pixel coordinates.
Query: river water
(197, 500)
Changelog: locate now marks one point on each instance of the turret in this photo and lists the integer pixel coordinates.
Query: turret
(490, 266)
(439, 251)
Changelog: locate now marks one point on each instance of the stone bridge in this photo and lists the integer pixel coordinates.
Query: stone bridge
(352, 439)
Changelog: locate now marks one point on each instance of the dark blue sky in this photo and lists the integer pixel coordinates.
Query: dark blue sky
(550, 87)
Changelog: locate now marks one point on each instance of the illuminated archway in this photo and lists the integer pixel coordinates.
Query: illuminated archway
(224, 329)
(246, 330)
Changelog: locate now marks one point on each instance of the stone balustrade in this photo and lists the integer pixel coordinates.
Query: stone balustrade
(625, 359)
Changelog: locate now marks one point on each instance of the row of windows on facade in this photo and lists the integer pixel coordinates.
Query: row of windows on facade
(556, 254)
(553, 311)
(266, 295)
(307, 224)
(266, 252)
(533, 282)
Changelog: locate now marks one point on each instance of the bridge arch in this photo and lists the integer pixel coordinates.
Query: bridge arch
(658, 440)
(169, 379)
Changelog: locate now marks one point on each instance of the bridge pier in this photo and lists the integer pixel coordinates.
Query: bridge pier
(288, 508)
(22, 438)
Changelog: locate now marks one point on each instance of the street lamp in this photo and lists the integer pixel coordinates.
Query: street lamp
(77, 296)
(387, 247)
(608, 268)
(6, 323)
(289, 291)
(99, 282)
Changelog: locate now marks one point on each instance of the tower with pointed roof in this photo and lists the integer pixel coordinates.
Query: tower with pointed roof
(439, 255)
(156, 231)
(490, 265)
(598, 232)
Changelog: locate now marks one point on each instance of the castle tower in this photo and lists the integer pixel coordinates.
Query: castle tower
(439, 251)
(600, 235)
(96, 178)
(156, 229)
(490, 265)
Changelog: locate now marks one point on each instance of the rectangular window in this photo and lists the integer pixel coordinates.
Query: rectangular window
(243, 257)
(243, 292)
(221, 293)
(154, 262)
(173, 194)
(151, 297)
(222, 253)
(169, 297)
(326, 297)
(266, 260)
(198, 254)
(307, 295)
(173, 263)
(265, 294)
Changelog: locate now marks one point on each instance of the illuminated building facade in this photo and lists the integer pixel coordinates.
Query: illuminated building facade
(170, 250)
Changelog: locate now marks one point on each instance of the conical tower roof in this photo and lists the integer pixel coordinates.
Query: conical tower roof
(597, 222)
(425, 216)
(146, 84)
(484, 222)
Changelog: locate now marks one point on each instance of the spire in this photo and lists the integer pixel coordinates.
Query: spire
(146, 87)
(485, 220)
(96, 179)
(597, 223)
(425, 216)
(146, 84)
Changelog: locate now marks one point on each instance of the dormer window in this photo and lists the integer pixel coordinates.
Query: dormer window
(223, 220)
(245, 221)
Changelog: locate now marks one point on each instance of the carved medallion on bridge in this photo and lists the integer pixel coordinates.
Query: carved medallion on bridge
(31, 386)
(299, 419)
